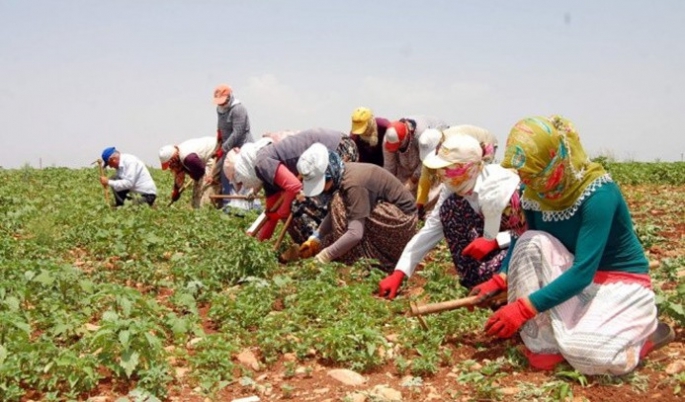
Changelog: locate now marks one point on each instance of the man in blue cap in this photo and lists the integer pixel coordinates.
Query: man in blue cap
(131, 176)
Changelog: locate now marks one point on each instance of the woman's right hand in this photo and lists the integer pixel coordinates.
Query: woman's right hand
(489, 288)
(310, 247)
(389, 286)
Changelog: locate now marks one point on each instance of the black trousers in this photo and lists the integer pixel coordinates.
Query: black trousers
(123, 195)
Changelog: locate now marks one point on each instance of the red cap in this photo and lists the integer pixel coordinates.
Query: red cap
(395, 135)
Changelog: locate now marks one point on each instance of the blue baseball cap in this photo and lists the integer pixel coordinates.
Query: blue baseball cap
(107, 153)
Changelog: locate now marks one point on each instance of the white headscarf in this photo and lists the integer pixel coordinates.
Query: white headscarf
(245, 163)
(229, 165)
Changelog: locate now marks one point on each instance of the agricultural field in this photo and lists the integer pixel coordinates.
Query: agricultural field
(175, 304)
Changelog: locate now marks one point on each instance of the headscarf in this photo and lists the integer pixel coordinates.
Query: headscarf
(552, 164)
(229, 165)
(335, 169)
(246, 161)
(370, 134)
(230, 102)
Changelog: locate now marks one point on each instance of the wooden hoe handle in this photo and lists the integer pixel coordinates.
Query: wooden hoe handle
(283, 231)
(443, 306)
(102, 173)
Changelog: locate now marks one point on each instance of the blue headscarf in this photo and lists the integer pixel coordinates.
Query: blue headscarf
(335, 169)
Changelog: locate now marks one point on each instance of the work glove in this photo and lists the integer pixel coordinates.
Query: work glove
(480, 247)
(489, 288)
(422, 211)
(310, 248)
(389, 286)
(219, 152)
(175, 195)
(507, 320)
(323, 257)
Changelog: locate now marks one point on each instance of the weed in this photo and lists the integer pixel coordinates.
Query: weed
(212, 368)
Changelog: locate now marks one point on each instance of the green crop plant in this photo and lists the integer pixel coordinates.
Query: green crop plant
(91, 295)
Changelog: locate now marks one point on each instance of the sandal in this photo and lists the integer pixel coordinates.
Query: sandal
(662, 336)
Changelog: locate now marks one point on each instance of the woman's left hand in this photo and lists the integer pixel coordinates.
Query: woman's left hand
(480, 247)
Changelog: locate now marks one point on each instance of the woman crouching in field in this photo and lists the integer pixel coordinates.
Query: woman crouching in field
(272, 165)
(477, 211)
(370, 215)
(577, 280)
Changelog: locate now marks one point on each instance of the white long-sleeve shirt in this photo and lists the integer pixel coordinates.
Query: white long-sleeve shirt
(431, 233)
(204, 147)
(132, 175)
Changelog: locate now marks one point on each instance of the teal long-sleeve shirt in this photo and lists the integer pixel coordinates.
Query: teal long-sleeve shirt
(601, 237)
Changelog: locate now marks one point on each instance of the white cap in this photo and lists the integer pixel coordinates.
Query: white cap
(312, 166)
(428, 141)
(458, 148)
(165, 154)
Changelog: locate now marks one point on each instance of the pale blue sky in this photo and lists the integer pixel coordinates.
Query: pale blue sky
(78, 76)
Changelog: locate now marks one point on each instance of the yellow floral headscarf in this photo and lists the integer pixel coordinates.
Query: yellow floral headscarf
(551, 162)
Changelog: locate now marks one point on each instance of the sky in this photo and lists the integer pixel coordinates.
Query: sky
(77, 76)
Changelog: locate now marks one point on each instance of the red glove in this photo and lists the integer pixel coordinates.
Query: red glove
(480, 247)
(388, 287)
(219, 151)
(508, 319)
(490, 287)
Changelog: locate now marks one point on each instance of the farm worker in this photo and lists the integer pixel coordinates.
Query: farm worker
(273, 166)
(276, 136)
(577, 280)
(249, 156)
(370, 215)
(401, 148)
(427, 192)
(368, 132)
(233, 131)
(476, 213)
(131, 176)
(192, 157)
